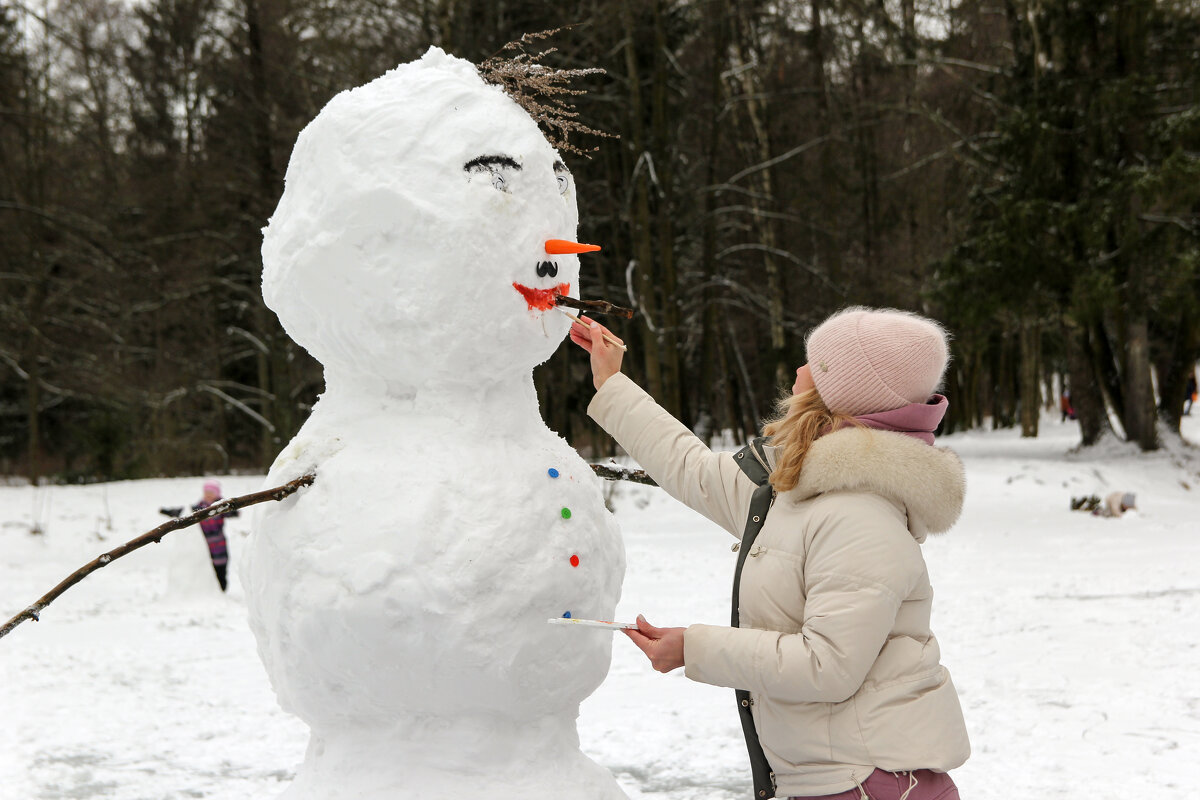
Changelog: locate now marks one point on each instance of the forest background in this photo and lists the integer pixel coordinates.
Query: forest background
(1027, 171)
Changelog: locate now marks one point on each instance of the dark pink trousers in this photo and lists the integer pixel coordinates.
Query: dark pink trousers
(883, 785)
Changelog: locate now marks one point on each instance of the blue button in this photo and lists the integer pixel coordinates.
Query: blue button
(553, 472)
(566, 615)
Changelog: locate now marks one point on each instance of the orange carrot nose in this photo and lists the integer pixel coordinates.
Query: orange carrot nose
(561, 247)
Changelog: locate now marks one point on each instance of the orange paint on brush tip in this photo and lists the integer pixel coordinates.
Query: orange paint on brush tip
(541, 299)
(561, 247)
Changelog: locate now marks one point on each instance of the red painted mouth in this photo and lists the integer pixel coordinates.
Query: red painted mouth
(542, 299)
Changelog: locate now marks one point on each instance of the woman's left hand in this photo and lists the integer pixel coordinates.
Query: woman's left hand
(663, 646)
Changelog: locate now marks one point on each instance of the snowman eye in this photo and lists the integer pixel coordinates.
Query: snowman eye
(494, 166)
(563, 176)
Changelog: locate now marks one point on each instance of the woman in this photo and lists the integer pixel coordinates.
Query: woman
(846, 691)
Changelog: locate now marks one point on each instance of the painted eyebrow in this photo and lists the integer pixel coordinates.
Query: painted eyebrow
(490, 161)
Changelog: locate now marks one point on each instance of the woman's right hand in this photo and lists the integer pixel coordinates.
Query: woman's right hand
(606, 357)
(663, 646)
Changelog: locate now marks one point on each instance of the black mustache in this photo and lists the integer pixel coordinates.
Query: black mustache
(547, 268)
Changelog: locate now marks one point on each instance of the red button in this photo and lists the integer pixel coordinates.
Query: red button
(574, 561)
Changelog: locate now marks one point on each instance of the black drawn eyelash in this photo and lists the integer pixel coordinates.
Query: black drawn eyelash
(487, 162)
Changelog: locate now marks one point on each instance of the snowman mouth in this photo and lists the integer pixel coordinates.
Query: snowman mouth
(541, 299)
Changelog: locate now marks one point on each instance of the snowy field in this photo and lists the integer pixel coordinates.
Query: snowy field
(1074, 641)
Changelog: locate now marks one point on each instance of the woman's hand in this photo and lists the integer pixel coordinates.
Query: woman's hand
(663, 646)
(606, 357)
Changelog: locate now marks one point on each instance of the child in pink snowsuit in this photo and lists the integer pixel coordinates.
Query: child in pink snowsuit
(214, 531)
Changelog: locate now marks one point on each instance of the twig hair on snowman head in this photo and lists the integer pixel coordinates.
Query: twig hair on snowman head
(541, 90)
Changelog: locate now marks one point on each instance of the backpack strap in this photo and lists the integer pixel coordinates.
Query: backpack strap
(752, 463)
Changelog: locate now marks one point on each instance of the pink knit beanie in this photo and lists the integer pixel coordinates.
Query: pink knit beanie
(865, 360)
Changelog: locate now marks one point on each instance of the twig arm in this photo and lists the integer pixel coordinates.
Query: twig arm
(613, 472)
(34, 611)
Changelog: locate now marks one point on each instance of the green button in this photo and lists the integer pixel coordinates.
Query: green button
(566, 513)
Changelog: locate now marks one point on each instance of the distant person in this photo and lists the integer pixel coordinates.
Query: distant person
(1064, 405)
(1189, 394)
(1087, 503)
(213, 528)
(214, 531)
(1115, 504)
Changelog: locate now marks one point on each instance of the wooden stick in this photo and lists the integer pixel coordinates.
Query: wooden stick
(607, 338)
(34, 611)
(615, 472)
(594, 306)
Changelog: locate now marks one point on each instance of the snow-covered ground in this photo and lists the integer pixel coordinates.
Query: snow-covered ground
(1074, 641)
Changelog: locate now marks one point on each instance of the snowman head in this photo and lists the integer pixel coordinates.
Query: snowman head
(410, 241)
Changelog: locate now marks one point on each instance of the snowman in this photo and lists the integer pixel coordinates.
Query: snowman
(401, 602)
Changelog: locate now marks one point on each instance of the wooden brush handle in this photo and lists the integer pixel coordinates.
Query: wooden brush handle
(594, 306)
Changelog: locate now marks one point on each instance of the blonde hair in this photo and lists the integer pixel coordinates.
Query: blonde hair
(800, 420)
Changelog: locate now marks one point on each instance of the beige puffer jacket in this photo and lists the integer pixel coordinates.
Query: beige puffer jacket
(834, 644)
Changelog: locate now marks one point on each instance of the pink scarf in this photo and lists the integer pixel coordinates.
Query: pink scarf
(918, 420)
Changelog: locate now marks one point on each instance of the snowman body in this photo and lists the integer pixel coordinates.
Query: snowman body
(401, 602)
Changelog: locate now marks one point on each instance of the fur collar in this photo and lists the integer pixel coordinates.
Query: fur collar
(928, 481)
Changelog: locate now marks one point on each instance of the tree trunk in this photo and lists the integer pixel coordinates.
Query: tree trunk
(1140, 418)
(1002, 400)
(762, 202)
(266, 440)
(672, 397)
(714, 400)
(268, 184)
(968, 382)
(1030, 376)
(953, 420)
(1177, 361)
(826, 254)
(816, 45)
(867, 155)
(639, 215)
(1086, 396)
(33, 400)
(749, 402)
(1105, 365)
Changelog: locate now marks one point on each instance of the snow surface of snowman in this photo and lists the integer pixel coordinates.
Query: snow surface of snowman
(400, 602)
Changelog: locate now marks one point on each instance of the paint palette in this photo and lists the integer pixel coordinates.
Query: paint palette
(593, 623)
